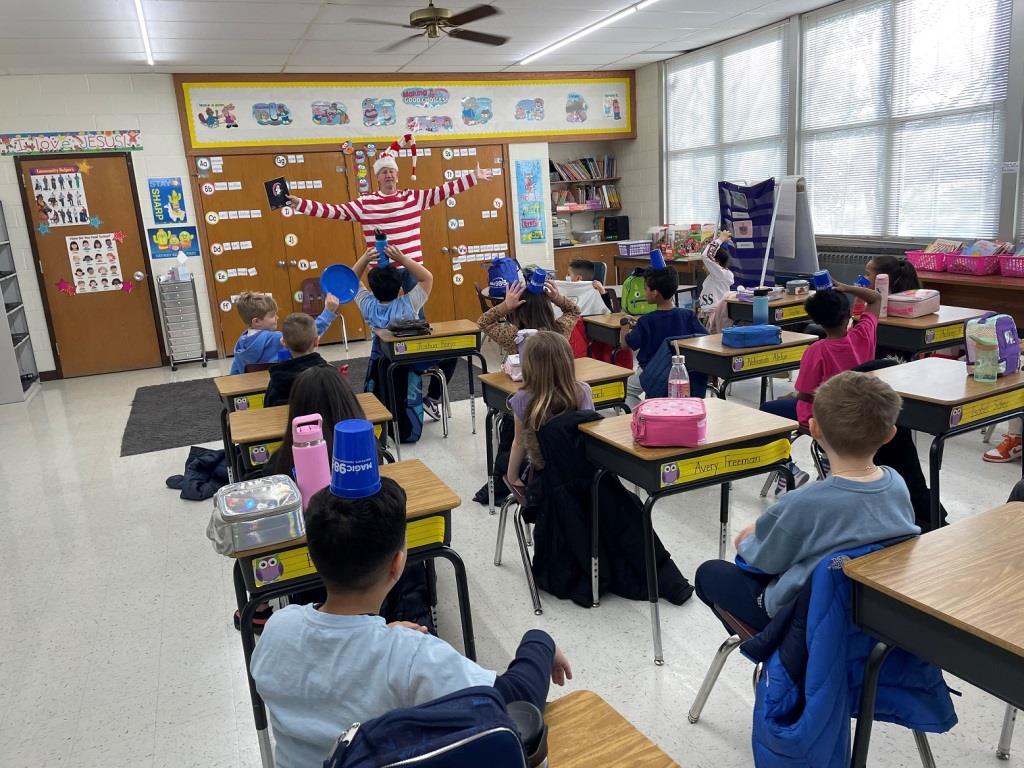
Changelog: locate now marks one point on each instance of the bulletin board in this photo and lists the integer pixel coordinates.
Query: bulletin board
(219, 112)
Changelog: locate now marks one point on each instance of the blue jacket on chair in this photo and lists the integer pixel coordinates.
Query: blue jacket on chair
(654, 375)
(805, 700)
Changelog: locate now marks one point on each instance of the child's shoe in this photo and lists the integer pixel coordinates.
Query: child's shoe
(799, 478)
(1008, 450)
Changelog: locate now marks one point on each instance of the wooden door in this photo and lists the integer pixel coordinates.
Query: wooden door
(97, 323)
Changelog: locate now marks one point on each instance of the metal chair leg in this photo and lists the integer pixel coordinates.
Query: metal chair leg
(502, 520)
(924, 749)
(445, 408)
(758, 668)
(711, 677)
(520, 524)
(1006, 734)
(817, 455)
(772, 479)
(986, 433)
(529, 534)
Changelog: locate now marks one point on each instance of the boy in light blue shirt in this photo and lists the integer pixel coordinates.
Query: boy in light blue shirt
(321, 668)
(858, 504)
(261, 342)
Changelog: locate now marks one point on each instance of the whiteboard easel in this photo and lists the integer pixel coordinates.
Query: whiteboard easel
(792, 214)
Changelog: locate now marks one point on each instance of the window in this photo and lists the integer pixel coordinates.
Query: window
(726, 118)
(902, 112)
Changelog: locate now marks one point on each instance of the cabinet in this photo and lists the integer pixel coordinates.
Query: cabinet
(18, 371)
(179, 310)
(605, 252)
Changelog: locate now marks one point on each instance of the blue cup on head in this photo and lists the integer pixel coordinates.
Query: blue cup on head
(355, 473)
(822, 280)
(536, 283)
(658, 259)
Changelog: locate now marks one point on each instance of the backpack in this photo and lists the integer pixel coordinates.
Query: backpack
(633, 289)
(467, 728)
(1002, 330)
(502, 273)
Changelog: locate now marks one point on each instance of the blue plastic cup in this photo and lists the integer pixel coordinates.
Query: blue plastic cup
(355, 473)
(658, 259)
(537, 278)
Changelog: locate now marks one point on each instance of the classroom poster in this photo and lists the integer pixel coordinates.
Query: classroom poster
(59, 195)
(169, 242)
(95, 262)
(69, 141)
(530, 198)
(166, 200)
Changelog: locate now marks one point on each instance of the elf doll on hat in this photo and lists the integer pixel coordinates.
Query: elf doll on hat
(395, 211)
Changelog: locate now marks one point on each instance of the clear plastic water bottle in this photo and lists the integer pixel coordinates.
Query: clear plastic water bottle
(760, 311)
(986, 364)
(678, 378)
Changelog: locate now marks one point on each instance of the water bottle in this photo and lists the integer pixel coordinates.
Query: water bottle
(761, 306)
(986, 363)
(882, 286)
(309, 451)
(381, 241)
(678, 378)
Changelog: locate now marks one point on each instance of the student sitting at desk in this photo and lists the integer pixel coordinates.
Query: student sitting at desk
(648, 334)
(298, 335)
(523, 309)
(381, 305)
(592, 297)
(321, 668)
(860, 503)
(261, 342)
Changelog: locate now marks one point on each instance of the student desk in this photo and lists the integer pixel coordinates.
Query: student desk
(449, 340)
(607, 383)
(428, 536)
(573, 722)
(240, 392)
(683, 288)
(707, 354)
(941, 399)
(915, 335)
(952, 597)
(254, 435)
(789, 310)
(604, 328)
(687, 266)
(741, 442)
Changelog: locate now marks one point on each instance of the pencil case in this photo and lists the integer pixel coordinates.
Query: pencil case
(913, 303)
(741, 336)
(255, 513)
(670, 421)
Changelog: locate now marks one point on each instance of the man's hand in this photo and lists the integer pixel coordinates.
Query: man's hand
(560, 668)
(331, 302)
(408, 625)
(483, 174)
(514, 296)
(745, 533)
(598, 287)
(293, 201)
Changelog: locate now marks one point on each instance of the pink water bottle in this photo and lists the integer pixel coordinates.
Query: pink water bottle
(309, 451)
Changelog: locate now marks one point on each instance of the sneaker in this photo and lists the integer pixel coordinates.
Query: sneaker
(432, 408)
(799, 478)
(1008, 450)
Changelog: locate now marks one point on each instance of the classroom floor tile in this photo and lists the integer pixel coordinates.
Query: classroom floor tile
(118, 647)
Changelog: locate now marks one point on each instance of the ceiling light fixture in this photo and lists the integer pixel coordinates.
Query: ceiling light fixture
(586, 30)
(145, 34)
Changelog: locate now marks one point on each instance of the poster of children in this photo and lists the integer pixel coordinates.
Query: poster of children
(529, 196)
(59, 195)
(95, 263)
(166, 199)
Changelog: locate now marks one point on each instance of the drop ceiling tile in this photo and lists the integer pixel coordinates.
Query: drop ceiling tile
(214, 60)
(64, 29)
(73, 10)
(365, 50)
(347, 32)
(32, 48)
(252, 12)
(341, 70)
(340, 14)
(184, 45)
(223, 30)
(670, 21)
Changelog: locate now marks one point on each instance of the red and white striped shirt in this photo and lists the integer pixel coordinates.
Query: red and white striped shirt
(397, 215)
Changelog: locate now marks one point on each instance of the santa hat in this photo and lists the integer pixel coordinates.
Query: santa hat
(387, 157)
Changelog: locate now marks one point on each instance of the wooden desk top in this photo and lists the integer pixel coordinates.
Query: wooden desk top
(242, 383)
(712, 344)
(264, 424)
(968, 574)
(728, 422)
(588, 371)
(584, 731)
(942, 381)
(446, 328)
(426, 494)
(608, 321)
(785, 301)
(945, 316)
(988, 281)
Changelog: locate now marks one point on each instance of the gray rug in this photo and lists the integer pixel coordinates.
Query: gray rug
(188, 412)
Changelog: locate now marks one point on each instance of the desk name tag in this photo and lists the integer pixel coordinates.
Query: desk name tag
(945, 333)
(249, 402)
(428, 531)
(440, 344)
(769, 359)
(608, 392)
(260, 454)
(990, 406)
(790, 313)
(274, 567)
(723, 462)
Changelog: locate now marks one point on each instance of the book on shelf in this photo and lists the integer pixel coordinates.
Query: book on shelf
(583, 169)
(585, 197)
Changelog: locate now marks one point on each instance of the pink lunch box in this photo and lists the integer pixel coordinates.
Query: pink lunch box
(915, 303)
(665, 421)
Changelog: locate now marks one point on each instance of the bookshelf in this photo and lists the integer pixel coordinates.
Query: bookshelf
(585, 185)
(18, 371)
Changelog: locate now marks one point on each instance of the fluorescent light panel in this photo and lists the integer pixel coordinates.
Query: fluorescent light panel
(145, 33)
(585, 31)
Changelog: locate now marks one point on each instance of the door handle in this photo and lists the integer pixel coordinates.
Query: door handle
(281, 263)
(139, 276)
(444, 249)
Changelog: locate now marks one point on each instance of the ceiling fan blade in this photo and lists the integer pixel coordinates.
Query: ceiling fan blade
(477, 37)
(399, 44)
(377, 23)
(472, 14)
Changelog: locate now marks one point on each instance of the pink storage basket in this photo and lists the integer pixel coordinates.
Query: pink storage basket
(930, 262)
(1011, 266)
(973, 265)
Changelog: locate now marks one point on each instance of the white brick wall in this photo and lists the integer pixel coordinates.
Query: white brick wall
(94, 102)
(640, 158)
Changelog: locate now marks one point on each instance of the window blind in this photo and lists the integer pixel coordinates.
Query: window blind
(902, 113)
(726, 118)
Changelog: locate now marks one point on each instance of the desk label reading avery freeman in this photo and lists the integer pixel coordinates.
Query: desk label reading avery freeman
(723, 463)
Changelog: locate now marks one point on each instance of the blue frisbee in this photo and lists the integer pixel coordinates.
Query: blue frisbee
(341, 281)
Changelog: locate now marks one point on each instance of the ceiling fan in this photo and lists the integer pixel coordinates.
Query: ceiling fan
(433, 21)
